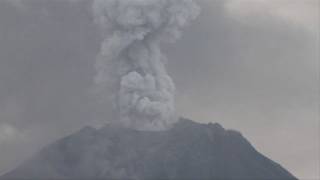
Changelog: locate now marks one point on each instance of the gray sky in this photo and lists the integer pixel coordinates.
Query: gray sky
(251, 65)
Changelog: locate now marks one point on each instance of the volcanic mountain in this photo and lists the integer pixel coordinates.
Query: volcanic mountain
(188, 150)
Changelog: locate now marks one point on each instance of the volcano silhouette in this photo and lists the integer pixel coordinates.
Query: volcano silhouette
(188, 150)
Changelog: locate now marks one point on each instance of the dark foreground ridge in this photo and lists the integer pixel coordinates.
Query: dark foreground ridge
(188, 150)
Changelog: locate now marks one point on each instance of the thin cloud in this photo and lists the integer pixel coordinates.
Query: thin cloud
(300, 13)
(8, 133)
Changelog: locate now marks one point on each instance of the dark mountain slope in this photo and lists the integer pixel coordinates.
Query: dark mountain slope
(188, 150)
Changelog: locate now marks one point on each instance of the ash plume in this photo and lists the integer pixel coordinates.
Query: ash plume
(130, 63)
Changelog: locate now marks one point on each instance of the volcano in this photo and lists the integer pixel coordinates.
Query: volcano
(188, 150)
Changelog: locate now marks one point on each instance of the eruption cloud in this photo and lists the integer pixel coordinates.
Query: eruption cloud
(130, 63)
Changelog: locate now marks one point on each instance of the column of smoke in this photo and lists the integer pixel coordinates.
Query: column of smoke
(130, 63)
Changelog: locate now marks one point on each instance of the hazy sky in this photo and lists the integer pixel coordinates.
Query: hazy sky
(251, 65)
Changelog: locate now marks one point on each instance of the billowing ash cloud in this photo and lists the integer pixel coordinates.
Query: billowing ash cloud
(130, 63)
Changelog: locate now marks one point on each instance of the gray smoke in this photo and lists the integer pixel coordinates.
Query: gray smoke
(130, 63)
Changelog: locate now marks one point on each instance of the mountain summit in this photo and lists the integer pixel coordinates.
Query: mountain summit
(188, 150)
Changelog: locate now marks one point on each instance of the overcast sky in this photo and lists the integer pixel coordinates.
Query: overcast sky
(251, 65)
